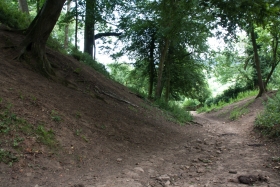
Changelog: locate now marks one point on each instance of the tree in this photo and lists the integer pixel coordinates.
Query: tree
(152, 30)
(244, 15)
(66, 28)
(38, 32)
(96, 14)
(23, 6)
(89, 26)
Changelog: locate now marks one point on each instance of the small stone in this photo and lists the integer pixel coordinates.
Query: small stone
(164, 177)
(119, 159)
(233, 172)
(167, 183)
(28, 174)
(200, 170)
(139, 169)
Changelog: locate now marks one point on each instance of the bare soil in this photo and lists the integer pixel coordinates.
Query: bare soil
(107, 136)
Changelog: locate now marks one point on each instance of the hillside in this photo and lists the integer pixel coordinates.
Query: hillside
(86, 130)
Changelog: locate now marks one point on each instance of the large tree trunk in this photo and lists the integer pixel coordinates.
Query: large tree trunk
(23, 6)
(66, 29)
(151, 67)
(275, 62)
(89, 27)
(76, 24)
(257, 62)
(161, 68)
(38, 33)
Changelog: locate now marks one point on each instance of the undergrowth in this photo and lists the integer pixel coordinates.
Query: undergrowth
(221, 104)
(14, 130)
(268, 122)
(87, 59)
(240, 111)
(174, 111)
(10, 16)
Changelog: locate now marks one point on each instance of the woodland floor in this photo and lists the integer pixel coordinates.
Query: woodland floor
(108, 137)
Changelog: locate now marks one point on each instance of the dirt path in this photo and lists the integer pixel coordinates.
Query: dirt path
(210, 155)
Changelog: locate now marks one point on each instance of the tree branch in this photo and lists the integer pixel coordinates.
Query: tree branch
(99, 35)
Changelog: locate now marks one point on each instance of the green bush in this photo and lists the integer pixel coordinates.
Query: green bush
(12, 17)
(216, 104)
(268, 122)
(87, 59)
(175, 111)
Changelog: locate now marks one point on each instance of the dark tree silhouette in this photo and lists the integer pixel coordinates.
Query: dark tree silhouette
(38, 33)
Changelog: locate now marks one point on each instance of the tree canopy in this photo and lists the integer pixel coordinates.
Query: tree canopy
(166, 40)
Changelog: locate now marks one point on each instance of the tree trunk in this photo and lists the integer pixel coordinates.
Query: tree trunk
(151, 67)
(23, 6)
(76, 24)
(257, 62)
(66, 29)
(275, 62)
(161, 68)
(89, 27)
(38, 33)
(38, 6)
(168, 72)
(168, 79)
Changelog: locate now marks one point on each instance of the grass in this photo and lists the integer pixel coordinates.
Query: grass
(222, 104)
(239, 111)
(7, 157)
(174, 111)
(55, 117)
(78, 133)
(14, 130)
(268, 121)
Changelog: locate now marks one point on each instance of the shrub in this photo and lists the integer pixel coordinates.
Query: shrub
(87, 59)
(10, 16)
(175, 111)
(268, 122)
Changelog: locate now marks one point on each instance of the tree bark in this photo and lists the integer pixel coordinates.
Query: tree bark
(23, 6)
(66, 29)
(89, 27)
(275, 62)
(99, 35)
(38, 33)
(151, 66)
(161, 68)
(257, 62)
(38, 6)
(76, 24)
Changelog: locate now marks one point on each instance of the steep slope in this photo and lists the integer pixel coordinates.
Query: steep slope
(94, 119)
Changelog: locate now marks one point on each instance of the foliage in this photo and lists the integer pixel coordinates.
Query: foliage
(191, 104)
(213, 104)
(55, 117)
(232, 93)
(268, 121)
(7, 157)
(10, 16)
(175, 111)
(240, 111)
(45, 136)
(87, 59)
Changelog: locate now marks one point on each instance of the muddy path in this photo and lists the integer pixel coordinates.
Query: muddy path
(213, 152)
